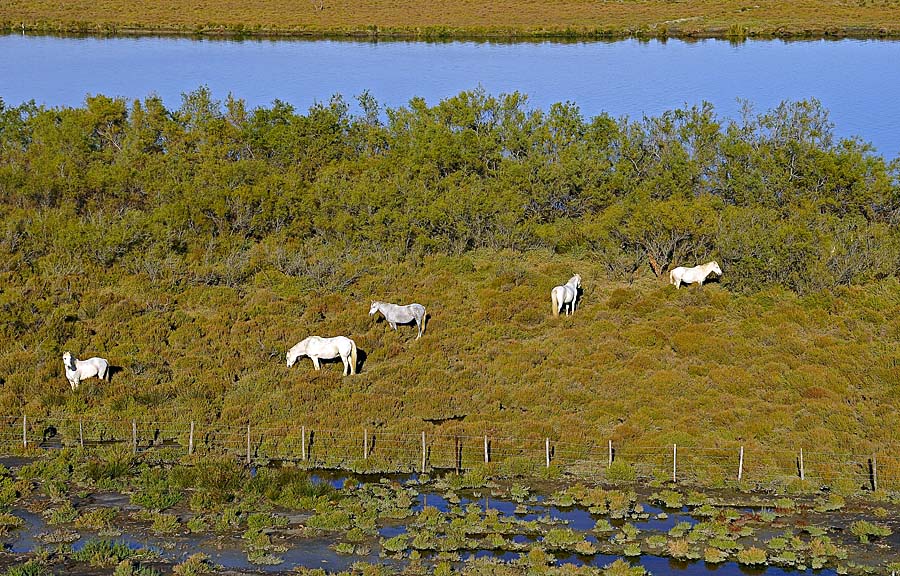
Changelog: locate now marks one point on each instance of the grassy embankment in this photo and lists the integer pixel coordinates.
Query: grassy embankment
(642, 365)
(474, 18)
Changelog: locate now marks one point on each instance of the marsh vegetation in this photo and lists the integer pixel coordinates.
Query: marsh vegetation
(61, 516)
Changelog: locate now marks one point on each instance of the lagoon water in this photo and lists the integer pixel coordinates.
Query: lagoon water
(855, 79)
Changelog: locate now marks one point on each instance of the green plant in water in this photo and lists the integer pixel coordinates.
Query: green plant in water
(97, 518)
(396, 544)
(229, 519)
(680, 548)
(9, 521)
(752, 556)
(343, 548)
(195, 565)
(668, 498)
(680, 529)
(831, 503)
(30, 568)
(103, 553)
(866, 531)
(62, 515)
(129, 568)
(330, 520)
(257, 521)
(165, 524)
(263, 558)
(518, 492)
(622, 568)
(714, 555)
(198, 525)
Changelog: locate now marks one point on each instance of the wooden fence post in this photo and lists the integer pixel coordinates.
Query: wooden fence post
(24, 431)
(134, 436)
(365, 444)
(424, 453)
(547, 450)
(802, 472)
(191, 440)
(674, 460)
(248, 444)
(741, 465)
(81, 432)
(303, 443)
(610, 455)
(487, 455)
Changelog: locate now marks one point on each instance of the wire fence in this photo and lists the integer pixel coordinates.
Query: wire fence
(367, 450)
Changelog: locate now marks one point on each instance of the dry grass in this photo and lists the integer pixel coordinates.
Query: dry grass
(644, 365)
(586, 18)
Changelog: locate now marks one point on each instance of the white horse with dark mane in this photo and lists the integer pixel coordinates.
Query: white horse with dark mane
(566, 294)
(325, 348)
(695, 275)
(78, 370)
(396, 314)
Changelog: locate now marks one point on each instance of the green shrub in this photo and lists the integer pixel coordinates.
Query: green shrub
(103, 553)
(29, 568)
(866, 531)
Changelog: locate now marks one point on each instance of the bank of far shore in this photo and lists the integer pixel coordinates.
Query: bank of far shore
(440, 19)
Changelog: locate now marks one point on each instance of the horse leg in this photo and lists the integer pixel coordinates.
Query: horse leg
(315, 362)
(393, 325)
(346, 361)
(419, 328)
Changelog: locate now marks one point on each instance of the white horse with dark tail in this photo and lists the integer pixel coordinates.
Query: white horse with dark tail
(566, 294)
(396, 314)
(695, 275)
(325, 348)
(78, 370)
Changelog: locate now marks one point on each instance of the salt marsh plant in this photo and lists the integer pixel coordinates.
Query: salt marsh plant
(867, 531)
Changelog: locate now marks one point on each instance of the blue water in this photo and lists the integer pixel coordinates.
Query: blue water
(854, 79)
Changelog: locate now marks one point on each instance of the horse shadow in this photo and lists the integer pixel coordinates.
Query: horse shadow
(361, 357)
(112, 371)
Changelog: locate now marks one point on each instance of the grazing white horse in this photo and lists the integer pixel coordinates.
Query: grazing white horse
(78, 370)
(695, 275)
(316, 348)
(396, 314)
(566, 294)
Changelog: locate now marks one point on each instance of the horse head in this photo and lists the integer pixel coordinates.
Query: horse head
(297, 351)
(374, 308)
(68, 360)
(715, 268)
(577, 279)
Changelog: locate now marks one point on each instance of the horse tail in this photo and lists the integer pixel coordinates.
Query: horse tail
(424, 318)
(555, 302)
(352, 357)
(672, 276)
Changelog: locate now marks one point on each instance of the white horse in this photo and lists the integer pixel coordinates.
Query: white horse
(316, 348)
(695, 275)
(396, 314)
(78, 370)
(566, 294)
